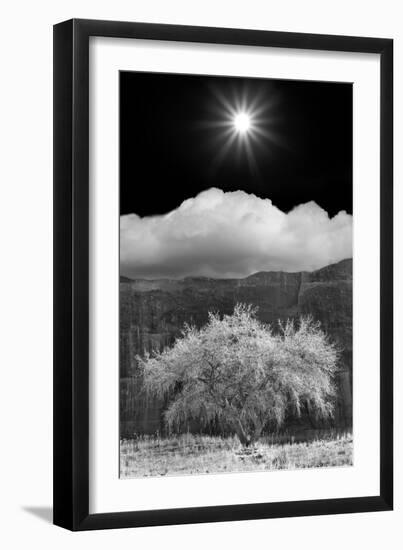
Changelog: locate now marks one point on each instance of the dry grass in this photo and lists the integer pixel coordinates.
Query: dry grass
(200, 454)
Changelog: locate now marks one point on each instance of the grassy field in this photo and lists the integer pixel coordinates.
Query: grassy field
(200, 454)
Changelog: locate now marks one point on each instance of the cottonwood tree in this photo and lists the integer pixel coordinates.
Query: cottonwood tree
(237, 370)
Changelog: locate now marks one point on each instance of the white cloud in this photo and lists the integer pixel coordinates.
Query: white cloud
(234, 234)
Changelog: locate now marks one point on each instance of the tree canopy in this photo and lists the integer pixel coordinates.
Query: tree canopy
(237, 370)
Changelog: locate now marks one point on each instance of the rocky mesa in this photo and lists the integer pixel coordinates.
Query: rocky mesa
(152, 313)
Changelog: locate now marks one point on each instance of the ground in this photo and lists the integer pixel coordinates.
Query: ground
(200, 454)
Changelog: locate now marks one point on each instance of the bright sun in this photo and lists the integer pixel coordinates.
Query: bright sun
(242, 122)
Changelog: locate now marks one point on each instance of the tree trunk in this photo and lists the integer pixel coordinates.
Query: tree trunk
(244, 438)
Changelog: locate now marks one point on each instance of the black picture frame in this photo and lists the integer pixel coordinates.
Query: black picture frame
(71, 274)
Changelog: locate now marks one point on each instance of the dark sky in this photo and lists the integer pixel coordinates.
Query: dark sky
(169, 144)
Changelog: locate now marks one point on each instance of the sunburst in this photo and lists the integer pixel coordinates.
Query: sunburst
(245, 121)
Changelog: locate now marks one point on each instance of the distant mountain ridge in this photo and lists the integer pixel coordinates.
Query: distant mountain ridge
(152, 313)
(341, 269)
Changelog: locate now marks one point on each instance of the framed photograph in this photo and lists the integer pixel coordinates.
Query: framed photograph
(223, 265)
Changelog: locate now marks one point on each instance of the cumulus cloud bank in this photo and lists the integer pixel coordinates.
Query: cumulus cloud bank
(234, 234)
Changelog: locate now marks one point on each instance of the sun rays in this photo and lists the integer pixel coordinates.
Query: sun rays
(244, 124)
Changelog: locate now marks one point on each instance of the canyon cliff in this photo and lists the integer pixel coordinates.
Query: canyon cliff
(153, 312)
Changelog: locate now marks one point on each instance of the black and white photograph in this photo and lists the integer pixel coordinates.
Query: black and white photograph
(235, 274)
(200, 288)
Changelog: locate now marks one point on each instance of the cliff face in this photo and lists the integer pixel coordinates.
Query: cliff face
(152, 314)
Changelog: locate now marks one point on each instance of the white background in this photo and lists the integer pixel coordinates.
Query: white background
(26, 280)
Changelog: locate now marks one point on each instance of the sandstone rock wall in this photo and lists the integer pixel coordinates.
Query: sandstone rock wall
(152, 314)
